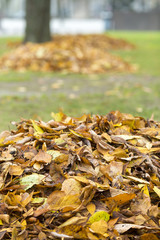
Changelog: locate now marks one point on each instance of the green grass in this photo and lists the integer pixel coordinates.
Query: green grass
(134, 99)
(4, 43)
(136, 93)
(147, 52)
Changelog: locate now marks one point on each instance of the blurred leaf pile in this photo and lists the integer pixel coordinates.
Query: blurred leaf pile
(75, 54)
(93, 177)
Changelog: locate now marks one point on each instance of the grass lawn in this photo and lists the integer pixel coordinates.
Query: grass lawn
(147, 51)
(35, 94)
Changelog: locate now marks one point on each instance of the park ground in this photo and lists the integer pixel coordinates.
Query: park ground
(35, 95)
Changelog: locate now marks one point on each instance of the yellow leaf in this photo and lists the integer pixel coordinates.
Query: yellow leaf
(145, 190)
(39, 200)
(91, 208)
(74, 221)
(100, 215)
(58, 117)
(99, 227)
(79, 135)
(37, 129)
(137, 179)
(74, 230)
(91, 236)
(71, 186)
(121, 198)
(57, 200)
(4, 218)
(119, 152)
(15, 170)
(23, 224)
(145, 150)
(69, 202)
(154, 178)
(3, 135)
(59, 140)
(107, 137)
(76, 134)
(81, 179)
(157, 190)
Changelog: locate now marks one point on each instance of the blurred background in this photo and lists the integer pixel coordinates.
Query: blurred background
(85, 16)
(32, 93)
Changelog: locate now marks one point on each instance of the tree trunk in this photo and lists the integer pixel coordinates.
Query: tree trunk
(37, 21)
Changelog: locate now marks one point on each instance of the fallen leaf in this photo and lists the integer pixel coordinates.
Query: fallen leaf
(148, 236)
(157, 190)
(5, 218)
(91, 208)
(92, 177)
(42, 236)
(99, 227)
(42, 157)
(71, 186)
(100, 215)
(121, 228)
(74, 220)
(30, 180)
(37, 129)
(59, 235)
(121, 198)
(74, 53)
(15, 170)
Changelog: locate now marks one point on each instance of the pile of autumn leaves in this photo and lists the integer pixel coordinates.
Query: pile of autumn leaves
(93, 177)
(69, 54)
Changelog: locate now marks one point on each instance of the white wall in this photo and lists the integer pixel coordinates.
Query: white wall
(16, 27)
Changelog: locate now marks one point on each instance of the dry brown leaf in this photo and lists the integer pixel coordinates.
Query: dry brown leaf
(99, 227)
(15, 170)
(93, 177)
(71, 187)
(42, 157)
(77, 54)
